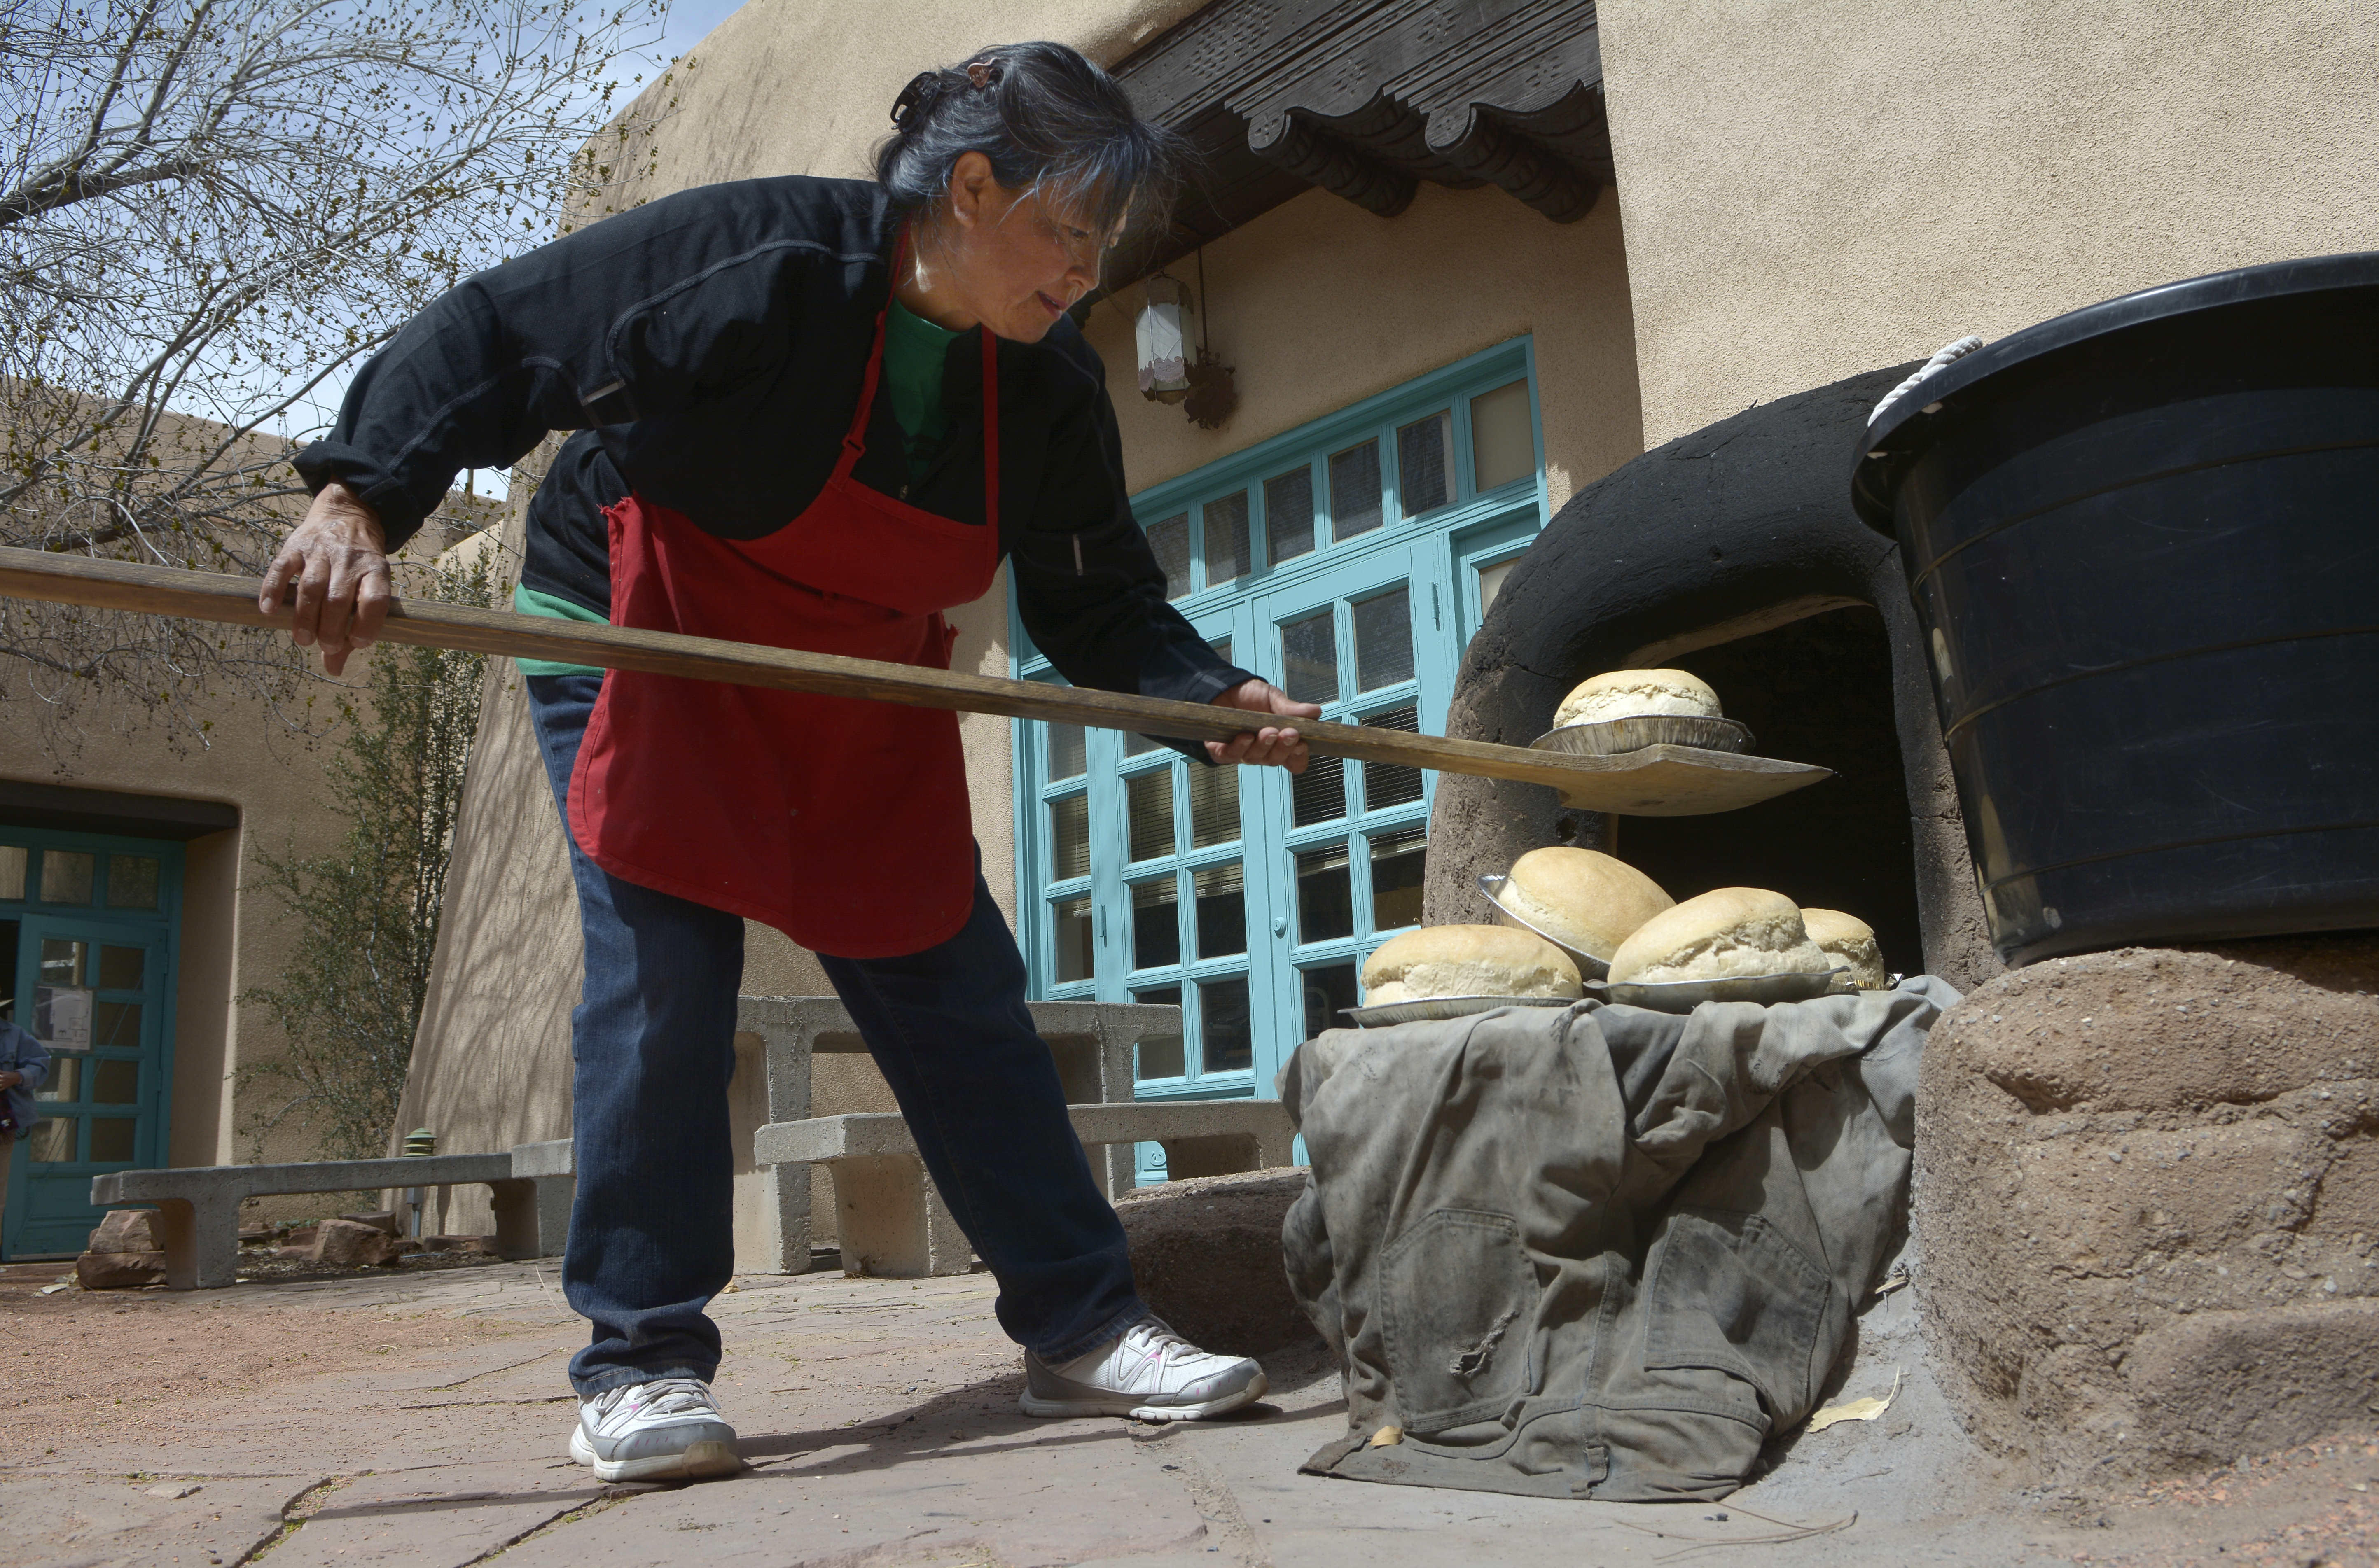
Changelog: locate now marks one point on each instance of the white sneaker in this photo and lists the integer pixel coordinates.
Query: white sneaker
(669, 1430)
(1151, 1374)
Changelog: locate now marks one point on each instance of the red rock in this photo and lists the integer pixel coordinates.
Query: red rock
(119, 1271)
(385, 1220)
(124, 1230)
(347, 1244)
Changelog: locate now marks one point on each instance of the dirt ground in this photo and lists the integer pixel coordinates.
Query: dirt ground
(415, 1420)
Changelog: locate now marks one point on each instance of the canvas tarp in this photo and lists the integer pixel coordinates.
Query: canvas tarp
(1597, 1251)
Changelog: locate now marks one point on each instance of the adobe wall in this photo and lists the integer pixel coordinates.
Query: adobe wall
(1318, 304)
(1813, 189)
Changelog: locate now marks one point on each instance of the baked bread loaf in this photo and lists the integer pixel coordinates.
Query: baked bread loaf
(1468, 960)
(1586, 901)
(1631, 693)
(1846, 939)
(1726, 933)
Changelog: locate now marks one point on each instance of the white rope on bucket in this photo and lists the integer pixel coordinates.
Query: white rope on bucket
(1949, 354)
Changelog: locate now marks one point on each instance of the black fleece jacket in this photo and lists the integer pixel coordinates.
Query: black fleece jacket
(710, 347)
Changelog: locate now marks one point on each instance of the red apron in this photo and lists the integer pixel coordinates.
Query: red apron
(843, 823)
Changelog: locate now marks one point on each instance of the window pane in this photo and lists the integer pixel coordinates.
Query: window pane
(1383, 647)
(12, 871)
(1490, 583)
(1502, 448)
(1388, 783)
(65, 1081)
(1141, 746)
(1170, 542)
(116, 1083)
(66, 876)
(1160, 1055)
(1222, 646)
(1318, 794)
(1355, 491)
(1425, 465)
(53, 1141)
(1069, 837)
(1148, 798)
(1214, 806)
(110, 1140)
(1325, 898)
(1309, 651)
(117, 1023)
(65, 963)
(1223, 1025)
(1074, 949)
(1227, 538)
(119, 968)
(1328, 988)
(131, 882)
(1222, 896)
(1288, 514)
(1398, 863)
(1069, 751)
(1157, 923)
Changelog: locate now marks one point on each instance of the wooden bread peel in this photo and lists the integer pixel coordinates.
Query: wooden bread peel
(1654, 781)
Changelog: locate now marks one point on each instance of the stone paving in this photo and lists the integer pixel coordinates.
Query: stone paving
(418, 1421)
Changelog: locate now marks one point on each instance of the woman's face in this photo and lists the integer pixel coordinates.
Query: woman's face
(1010, 259)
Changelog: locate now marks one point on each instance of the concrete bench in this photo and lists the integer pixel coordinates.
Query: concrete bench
(895, 1225)
(197, 1206)
(1092, 1042)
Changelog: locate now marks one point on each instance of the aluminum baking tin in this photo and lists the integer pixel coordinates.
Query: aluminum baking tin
(1685, 996)
(1611, 737)
(1431, 1008)
(1588, 966)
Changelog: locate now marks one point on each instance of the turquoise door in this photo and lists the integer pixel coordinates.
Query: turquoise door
(87, 965)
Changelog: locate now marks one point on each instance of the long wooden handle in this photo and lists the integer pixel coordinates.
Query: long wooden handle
(206, 596)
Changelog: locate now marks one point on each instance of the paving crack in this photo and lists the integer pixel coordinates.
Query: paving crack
(301, 1505)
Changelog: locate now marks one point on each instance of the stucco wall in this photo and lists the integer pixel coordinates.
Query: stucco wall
(1813, 187)
(1319, 304)
(231, 940)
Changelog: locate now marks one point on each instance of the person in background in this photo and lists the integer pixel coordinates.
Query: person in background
(24, 1067)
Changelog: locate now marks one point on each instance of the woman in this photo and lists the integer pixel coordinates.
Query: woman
(815, 414)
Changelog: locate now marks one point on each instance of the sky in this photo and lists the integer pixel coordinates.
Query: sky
(689, 23)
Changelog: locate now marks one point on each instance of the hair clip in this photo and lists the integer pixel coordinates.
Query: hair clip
(923, 89)
(985, 71)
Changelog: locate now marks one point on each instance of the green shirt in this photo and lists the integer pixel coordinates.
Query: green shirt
(914, 351)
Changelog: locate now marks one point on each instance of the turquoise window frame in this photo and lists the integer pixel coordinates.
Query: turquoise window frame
(1437, 554)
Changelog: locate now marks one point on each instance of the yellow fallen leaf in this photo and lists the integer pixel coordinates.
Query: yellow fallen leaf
(1866, 1410)
(1387, 1436)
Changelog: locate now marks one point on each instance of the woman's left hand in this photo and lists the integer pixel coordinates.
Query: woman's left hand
(1271, 746)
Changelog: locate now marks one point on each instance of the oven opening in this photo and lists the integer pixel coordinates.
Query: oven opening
(1819, 690)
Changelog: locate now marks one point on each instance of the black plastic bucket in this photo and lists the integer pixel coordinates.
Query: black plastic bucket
(2143, 542)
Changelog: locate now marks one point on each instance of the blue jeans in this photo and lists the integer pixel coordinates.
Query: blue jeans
(652, 1045)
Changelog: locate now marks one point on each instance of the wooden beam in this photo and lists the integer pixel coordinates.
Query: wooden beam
(1657, 781)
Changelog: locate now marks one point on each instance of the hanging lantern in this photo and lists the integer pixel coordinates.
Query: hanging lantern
(1163, 335)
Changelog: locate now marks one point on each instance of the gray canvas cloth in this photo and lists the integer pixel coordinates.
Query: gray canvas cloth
(1601, 1252)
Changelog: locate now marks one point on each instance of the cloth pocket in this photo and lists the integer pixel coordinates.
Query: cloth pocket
(1732, 1292)
(1457, 1310)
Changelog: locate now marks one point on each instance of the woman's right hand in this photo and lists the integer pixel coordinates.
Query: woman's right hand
(338, 560)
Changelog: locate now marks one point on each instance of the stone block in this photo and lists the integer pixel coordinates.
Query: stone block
(385, 1220)
(119, 1271)
(347, 1244)
(1206, 1255)
(2147, 1190)
(124, 1230)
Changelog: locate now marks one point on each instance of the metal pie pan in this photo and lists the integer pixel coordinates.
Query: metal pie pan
(1685, 996)
(1429, 1009)
(1611, 737)
(1588, 966)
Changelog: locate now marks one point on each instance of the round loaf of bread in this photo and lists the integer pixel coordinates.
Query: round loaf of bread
(1468, 960)
(1631, 693)
(1846, 939)
(1726, 933)
(1585, 900)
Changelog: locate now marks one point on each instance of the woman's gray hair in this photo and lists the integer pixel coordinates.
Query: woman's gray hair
(1047, 119)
